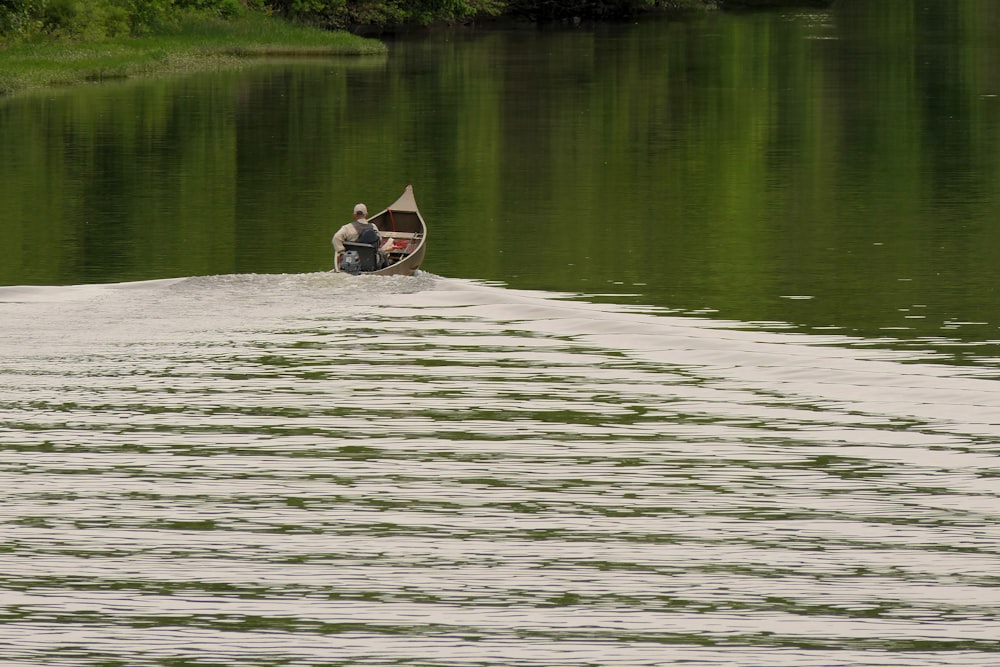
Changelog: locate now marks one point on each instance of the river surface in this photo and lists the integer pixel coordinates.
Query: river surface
(701, 370)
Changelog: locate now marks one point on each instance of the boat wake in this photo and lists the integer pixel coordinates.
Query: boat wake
(329, 470)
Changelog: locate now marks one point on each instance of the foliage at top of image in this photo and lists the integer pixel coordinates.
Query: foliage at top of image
(94, 20)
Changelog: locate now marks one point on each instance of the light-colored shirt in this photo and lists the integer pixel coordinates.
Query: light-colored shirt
(350, 232)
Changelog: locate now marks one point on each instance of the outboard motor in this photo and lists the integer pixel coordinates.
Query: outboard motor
(351, 262)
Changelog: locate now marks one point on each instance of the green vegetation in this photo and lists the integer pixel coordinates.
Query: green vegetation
(58, 42)
(93, 20)
(190, 42)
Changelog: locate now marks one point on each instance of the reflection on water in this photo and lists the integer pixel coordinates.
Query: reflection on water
(319, 470)
(833, 169)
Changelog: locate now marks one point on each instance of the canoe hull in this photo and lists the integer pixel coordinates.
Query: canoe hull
(404, 267)
(402, 220)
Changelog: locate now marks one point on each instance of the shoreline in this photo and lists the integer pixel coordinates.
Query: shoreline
(199, 44)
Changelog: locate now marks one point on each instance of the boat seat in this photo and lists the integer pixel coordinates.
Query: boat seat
(397, 235)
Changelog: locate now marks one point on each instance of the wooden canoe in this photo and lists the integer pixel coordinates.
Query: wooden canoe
(402, 222)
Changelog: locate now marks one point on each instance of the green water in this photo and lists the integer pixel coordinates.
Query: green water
(829, 169)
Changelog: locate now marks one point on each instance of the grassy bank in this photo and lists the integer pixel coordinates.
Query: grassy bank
(195, 43)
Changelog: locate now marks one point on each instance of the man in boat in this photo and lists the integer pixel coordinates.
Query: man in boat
(358, 230)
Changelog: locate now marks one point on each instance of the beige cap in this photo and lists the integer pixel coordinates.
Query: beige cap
(361, 208)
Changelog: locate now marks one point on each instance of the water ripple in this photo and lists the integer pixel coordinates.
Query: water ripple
(272, 470)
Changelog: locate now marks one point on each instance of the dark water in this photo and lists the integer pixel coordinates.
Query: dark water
(702, 369)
